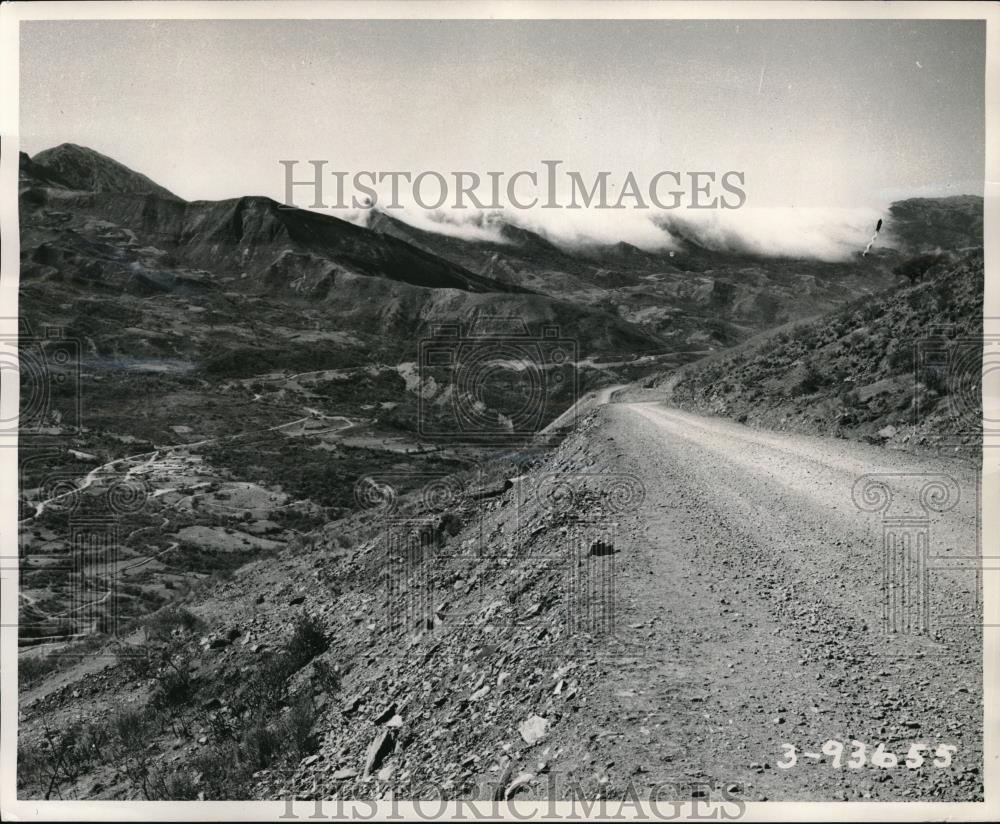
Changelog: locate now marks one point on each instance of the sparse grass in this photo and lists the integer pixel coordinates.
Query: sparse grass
(267, 724)
(170, 620)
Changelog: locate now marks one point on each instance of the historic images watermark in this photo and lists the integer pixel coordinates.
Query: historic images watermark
(438, 545)
(561, 798)
(495, 381)
(950, 369)
(315, 186)
(46, 362)
(76, 580)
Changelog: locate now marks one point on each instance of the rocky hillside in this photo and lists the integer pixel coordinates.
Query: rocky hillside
(902, 368)
(356, 665)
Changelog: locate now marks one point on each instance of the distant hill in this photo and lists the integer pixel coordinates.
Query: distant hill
(250, 276)
(90, 223)
(693, 298)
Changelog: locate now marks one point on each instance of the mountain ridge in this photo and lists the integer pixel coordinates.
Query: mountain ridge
(86, 169)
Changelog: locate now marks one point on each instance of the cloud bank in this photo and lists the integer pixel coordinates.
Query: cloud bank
(822, 234)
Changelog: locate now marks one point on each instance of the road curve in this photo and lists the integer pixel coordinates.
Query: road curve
(767, 595)
(591, 400)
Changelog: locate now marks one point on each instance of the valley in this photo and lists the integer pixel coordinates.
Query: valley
(315, 507)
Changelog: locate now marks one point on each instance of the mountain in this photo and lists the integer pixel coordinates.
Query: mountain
(207, 279)
(81, 168)
(252, 236)
(924, 224)
(172, 305)
(692, 297)
(517, 256)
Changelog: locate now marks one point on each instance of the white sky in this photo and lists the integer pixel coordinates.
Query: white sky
(818, 114)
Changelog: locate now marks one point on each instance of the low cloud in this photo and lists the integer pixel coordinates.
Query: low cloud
(821, 234)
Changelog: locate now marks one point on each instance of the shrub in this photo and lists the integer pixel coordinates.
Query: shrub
(296, 728)
(811, 381)
(129, 726)
(259, 745)
(223, 774)
(32, 670)
(174, 685)
(308, 640)
(162, 623)
(936, 379)
(173, 785)
(900, 357)
(325, 676)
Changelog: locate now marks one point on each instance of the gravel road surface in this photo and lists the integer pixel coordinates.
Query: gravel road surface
(767, 596)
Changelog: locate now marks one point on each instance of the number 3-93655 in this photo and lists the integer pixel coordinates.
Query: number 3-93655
(857, 754)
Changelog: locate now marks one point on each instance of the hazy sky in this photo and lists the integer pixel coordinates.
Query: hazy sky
(820, 114)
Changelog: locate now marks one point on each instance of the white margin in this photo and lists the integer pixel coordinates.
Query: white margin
(10, 16)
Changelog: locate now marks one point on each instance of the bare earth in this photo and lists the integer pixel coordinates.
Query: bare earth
(750, 612)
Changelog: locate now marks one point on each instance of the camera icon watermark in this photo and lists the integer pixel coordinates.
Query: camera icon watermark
(46, 365)
(495, 383)
(952, 370)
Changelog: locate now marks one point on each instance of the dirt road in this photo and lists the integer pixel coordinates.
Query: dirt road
(753, 611)
(589, 401)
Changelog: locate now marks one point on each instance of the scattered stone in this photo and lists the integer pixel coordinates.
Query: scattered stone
(386, 714)
(344, 773)
(352, 706)
(533, 729)
(378, 749)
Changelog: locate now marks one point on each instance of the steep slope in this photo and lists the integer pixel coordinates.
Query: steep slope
(900, 367)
